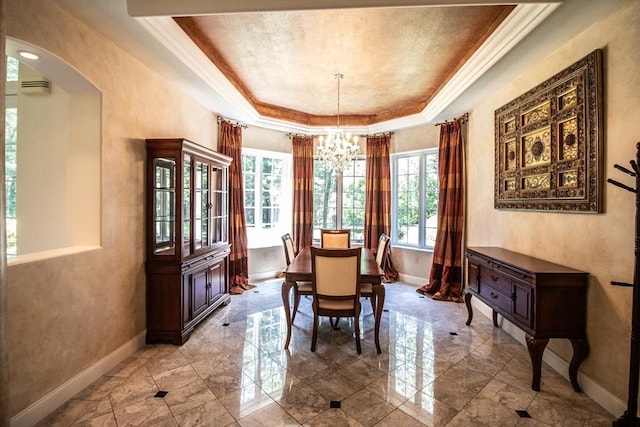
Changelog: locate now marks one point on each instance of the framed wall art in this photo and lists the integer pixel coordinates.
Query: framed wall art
(548, 147)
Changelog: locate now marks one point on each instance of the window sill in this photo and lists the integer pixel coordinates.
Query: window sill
(410, 248)
(44, 255)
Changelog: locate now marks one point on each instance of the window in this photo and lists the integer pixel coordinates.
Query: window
(415, 198)
(267, 196)
(338, 199)
(11, 135)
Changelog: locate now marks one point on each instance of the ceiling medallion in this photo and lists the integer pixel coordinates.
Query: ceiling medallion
(338, 148)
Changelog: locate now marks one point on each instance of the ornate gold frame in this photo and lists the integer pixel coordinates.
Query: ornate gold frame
(549, 143)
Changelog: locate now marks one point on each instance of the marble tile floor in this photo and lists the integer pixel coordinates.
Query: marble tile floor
(433, 371)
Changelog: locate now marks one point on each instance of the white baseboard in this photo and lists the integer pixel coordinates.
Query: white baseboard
(52, 400)
(255, 277)
(412, 280)
(595, 391)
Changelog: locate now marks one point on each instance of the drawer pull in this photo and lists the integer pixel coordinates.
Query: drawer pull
(494, 296)
(495, 278)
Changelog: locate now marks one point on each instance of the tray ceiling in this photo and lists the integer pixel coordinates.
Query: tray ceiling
(394, 59)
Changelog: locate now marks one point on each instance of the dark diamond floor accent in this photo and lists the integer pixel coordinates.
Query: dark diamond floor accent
(225, 324)
(335, 404)
(453, 333)
(161, 394)
(523, 414)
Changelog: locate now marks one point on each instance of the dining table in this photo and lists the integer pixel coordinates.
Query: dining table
(300, 271)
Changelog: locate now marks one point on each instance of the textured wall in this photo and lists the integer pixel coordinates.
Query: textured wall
(68, 312)
(601, 244)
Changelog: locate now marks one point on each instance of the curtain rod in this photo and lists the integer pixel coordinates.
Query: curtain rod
(233, 123)
(300, 135)
(463, 118)
(377, 134)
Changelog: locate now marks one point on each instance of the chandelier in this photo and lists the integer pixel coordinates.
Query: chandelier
(338, 148)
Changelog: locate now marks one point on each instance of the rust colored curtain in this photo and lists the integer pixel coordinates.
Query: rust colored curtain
(377, 205)
(445, 277)
(231, 144)
(302, 192)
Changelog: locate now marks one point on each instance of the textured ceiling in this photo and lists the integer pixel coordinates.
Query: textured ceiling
(394, 59)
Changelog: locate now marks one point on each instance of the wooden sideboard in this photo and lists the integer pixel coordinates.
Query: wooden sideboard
(543, 299)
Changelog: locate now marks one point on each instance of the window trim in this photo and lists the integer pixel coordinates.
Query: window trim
(422, 223)
(285, 208)
(339, 200)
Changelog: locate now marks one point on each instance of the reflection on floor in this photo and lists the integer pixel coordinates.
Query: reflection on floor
(434, 371)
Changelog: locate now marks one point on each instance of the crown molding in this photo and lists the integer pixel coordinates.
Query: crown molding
(523, 19)
(138, 8)
(510, 32)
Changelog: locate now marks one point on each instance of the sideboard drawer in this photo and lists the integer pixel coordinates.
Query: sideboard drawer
(498, 300)
(496, 280)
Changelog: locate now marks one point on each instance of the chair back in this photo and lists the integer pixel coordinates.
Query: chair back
(383, 244)
(335, 273)
(289, 253)
(336, 239)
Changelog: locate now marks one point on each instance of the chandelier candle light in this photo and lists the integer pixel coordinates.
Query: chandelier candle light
(338, 148)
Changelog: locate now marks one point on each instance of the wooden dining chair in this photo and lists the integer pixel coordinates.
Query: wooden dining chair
(335, 286)
(337, 239)
(383, 245)
(300, 288)
(366, 289)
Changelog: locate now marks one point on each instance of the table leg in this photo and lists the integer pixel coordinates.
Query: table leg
(536, 348)
(580, 352)
(378, 289)
(467, 302)
(286, 290)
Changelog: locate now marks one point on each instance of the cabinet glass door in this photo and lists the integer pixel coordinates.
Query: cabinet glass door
(219, 197)
(164, 201)
(186, 207)
(202, 205)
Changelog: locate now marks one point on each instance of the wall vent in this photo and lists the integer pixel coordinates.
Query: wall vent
(34, 87)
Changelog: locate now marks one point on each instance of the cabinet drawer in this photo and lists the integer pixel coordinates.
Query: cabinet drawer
(496, 280)
(496, 299)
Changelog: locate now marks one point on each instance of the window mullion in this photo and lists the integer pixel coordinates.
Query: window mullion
(339, 197)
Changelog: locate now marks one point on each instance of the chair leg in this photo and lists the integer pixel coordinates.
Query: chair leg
(356, 321)
(314, 335)
(334, 325)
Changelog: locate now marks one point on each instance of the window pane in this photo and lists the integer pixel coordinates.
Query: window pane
(431, 198)
(407, 205)
(324, 198)
(353, 199)
(11, 162)
(12, 69)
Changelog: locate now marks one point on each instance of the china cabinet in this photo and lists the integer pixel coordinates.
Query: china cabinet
(187, 237)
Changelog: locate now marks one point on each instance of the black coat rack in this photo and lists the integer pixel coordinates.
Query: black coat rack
(630, 417)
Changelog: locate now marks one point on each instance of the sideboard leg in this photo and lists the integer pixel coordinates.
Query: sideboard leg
(536, 348)
(495, 319)
(467, 302)
(580, 352)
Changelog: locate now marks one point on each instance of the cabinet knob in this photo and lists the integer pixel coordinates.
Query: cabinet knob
(494, 296)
